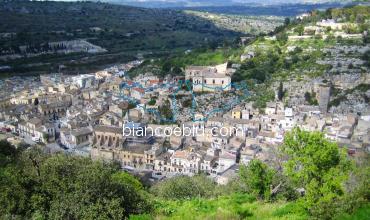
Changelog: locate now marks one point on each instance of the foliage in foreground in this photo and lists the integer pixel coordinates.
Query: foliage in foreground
(185, 187)
(38, 186)
(319, 167)
(311, 166)
(235, 206)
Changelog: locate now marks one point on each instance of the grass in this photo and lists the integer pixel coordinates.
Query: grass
(360, 214)
(199, 57)
(236, 206)
(207, 57)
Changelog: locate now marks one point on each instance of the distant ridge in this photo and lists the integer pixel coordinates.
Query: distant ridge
(219, 3)
(240, 7)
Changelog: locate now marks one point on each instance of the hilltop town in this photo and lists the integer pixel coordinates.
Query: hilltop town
(88, 114)
(118, 112)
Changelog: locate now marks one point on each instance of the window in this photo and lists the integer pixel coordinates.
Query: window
(214, 81)
(205, 81)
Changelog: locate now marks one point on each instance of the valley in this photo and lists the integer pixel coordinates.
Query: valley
(119, 112)
(122, 33)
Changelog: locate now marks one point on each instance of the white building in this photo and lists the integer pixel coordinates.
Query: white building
(247, 56)
(225, 161)
(36, 131)
(185, 162)
(84, 81)
(209, 78)
(211, 82)
(77, 138)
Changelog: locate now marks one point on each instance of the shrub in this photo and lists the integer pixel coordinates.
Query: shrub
(184, 187)
(62, 187)
(320, 167)
(258, 178)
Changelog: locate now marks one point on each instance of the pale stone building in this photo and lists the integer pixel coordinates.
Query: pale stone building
(209, 78)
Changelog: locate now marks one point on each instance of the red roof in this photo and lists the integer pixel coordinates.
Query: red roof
(141, 90)
(155, 81)
(180, 154)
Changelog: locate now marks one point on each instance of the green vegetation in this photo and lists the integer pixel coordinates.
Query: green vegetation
(318, 166)
(351, 14)
(152, 102)
(184, 187)
(284, 60)
(258, 177)
(281, 92)
(187, 103)
(165, 110)
(38, 186)
(261, 94)
(124, 31)
(311, 98)
(366, 58)
(205, 57)
(174, 64)
(234, 206)
(312, 177)
(241, 23)
(361, 213)
(273, 61)
(340, 97)
(145, 67)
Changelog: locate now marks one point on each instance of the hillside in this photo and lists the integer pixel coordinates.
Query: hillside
(305, 52)
(41, 36)
(283, 8)
(244, 24)
(248, 7)
(330, 48)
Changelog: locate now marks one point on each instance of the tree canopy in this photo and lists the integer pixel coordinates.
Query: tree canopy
(318, 166)
(258, 178)
(64, 187)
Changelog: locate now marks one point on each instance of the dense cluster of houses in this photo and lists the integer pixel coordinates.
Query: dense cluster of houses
(92, 114)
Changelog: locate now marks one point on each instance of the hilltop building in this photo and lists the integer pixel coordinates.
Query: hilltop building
(209, 78)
